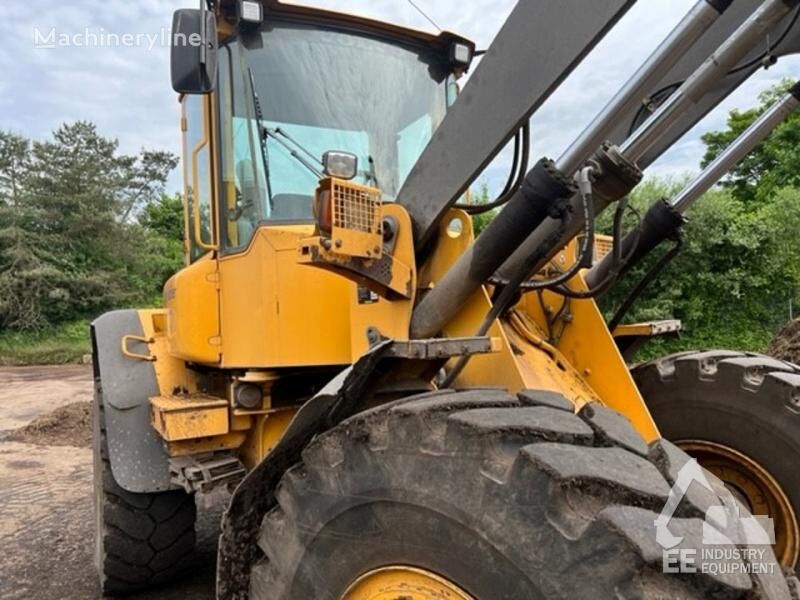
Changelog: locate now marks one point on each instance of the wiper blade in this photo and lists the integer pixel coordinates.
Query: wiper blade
(262, 137)
(276, 134)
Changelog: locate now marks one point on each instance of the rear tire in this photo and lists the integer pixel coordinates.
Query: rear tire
(141, 540)
(504, 497)
(746, 402)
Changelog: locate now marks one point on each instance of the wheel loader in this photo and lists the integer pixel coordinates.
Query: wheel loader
(401, 409)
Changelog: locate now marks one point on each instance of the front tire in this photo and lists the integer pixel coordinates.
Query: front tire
(739, 415)
(141, 540)
(501, 497)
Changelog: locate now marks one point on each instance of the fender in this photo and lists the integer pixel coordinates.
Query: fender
(138, 459)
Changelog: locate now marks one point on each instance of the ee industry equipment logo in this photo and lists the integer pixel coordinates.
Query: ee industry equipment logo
(732, 539)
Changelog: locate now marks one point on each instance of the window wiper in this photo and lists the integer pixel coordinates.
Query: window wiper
(372, 173)
(262, 136)
(276, 134)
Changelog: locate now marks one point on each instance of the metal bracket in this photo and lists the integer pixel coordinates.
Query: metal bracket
(443, 347)
(204, 472)
(386, 275)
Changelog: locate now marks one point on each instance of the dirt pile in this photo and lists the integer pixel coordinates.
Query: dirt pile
(69, 425)
(786, 344)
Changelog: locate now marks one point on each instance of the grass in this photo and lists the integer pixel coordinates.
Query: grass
(62, 344)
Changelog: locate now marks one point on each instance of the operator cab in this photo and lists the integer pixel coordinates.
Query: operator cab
(303, 94)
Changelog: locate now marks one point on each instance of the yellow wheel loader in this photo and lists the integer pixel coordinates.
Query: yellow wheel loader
(402, 409)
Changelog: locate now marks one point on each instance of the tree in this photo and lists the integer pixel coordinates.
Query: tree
(164, 217)
(162, 228)
(69, 247)
(481, 196)
(731, 282)
(774, 164)
(17, 256)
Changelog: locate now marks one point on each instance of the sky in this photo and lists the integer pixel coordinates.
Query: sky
(126, 90)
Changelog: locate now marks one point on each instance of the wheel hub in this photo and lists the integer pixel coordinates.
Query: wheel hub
(399, 582)
(752, 485)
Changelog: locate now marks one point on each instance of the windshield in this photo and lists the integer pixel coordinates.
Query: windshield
(318, 90)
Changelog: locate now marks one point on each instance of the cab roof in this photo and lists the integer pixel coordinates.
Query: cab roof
(312, 14)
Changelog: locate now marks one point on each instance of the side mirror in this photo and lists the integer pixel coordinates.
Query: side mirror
(193, 51)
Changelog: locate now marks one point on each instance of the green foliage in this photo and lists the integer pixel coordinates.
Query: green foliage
(83, 228)
(733, 280)
(60, 344)
(774, 164)
(481, 196)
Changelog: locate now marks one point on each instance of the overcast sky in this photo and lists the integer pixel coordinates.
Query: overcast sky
(126, 90)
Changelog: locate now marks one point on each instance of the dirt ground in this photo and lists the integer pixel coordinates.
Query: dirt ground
(46, 527)
(786, 344)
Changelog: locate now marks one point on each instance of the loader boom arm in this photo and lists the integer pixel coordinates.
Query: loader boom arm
(518, 73)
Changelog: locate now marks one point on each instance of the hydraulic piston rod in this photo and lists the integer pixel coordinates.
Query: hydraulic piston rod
(752, 32)
(737, 150)
(508, 229)
(663, 218)
(687, 32)
(712, 71)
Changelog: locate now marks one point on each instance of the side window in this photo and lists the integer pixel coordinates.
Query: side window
(242, 179)
(197, 176)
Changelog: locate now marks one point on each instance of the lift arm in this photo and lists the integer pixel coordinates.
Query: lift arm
(540, 44)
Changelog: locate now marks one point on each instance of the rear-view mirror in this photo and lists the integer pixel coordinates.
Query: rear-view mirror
(193, 51)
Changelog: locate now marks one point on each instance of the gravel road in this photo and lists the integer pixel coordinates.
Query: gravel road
(46, 527)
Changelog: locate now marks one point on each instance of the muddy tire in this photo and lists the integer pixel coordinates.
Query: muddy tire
(141, 540)
(743, 401)
(504, 497)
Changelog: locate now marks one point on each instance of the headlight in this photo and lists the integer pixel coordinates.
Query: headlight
(342, 165)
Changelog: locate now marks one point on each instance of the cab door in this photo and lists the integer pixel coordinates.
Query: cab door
(192, 294)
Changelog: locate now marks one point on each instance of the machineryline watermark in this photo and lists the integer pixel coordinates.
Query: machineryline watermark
(51, 38)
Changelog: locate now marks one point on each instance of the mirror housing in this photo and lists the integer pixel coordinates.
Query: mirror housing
(193, 56)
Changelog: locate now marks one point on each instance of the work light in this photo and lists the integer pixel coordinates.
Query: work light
(460, 54)
(250, 12)
(342, 165)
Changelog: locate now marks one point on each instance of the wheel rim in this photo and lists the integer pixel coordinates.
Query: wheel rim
(408, 583)
(756, 488)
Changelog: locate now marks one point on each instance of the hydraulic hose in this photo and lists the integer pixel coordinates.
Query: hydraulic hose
(709, 74)
(544, 188)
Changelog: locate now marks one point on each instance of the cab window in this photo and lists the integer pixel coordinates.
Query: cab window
(197, 175)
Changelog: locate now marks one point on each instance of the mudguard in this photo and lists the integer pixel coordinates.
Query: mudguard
(138, 459)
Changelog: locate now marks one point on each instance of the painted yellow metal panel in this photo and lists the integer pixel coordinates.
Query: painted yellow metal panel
(266, 432)
(171, 372)
(229, 441)
(587, 345)
(391, 318)
(275, 312)
(192, 302)
(583, 364)
(189, 417)
(278, 312)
